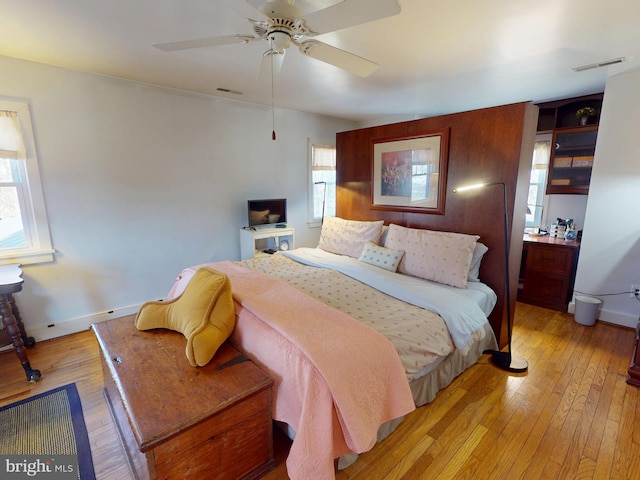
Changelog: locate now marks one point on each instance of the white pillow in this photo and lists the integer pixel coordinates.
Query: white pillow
(442, 257)
(348, 237)
(476, 258)
(382, 257)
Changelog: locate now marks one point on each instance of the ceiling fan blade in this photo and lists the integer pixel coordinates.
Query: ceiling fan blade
(349, 13)
(339, 58)
(270, 58)
(204, 42)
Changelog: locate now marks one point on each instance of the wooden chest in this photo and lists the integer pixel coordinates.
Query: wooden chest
(180, 422)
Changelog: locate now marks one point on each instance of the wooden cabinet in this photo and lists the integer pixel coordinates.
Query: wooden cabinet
(572, 160)
(548, 272)
(573, 144)
(562, 113)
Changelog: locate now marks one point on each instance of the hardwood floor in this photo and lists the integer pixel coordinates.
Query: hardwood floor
(571, 416)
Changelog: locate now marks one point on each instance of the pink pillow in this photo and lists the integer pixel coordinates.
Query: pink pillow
(348, 237)
(442, 257)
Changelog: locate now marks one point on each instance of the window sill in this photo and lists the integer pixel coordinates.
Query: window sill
(27, 258)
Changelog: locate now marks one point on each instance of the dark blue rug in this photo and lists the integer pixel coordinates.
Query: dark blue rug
(46, 431)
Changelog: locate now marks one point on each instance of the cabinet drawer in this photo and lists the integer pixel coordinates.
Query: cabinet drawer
(551, 288)
(550, 259)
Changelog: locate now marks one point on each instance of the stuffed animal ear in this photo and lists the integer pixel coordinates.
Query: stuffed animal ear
(204, 314)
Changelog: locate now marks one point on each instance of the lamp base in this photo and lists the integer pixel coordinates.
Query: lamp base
(508, 362)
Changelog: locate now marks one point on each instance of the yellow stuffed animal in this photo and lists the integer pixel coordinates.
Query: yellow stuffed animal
(204, 314)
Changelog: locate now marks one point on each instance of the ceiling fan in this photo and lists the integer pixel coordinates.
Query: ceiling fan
(283, 23)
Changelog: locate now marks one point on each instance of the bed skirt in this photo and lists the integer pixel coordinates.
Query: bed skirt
(425, 388)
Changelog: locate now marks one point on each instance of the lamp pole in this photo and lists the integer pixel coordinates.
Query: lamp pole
(503, 360)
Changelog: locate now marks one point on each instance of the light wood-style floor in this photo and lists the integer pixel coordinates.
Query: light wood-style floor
(572, 416)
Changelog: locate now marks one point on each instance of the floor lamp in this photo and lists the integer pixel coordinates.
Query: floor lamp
(503, 360)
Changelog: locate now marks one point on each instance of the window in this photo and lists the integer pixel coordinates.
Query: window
(24, 229)
(421, 170)
(323, 182)
(538, 181)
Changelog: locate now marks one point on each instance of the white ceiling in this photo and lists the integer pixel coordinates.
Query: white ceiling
(435, 56)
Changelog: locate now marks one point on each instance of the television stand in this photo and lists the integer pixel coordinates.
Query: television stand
(268, 238)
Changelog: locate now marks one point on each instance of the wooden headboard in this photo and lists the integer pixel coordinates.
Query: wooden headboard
(488, 145)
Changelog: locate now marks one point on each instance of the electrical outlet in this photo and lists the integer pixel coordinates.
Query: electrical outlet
(634, 289)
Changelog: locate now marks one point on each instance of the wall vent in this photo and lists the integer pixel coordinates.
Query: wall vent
(226, 90)
(606, 63)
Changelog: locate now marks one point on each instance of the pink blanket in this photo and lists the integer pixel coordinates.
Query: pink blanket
(336, 379)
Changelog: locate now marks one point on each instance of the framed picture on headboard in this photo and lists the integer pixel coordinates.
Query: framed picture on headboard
(410, 172)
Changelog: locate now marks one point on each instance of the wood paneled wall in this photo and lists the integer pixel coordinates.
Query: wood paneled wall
(488, 145)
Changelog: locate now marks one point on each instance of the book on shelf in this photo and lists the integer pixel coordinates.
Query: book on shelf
(562, 162)
(583, 161)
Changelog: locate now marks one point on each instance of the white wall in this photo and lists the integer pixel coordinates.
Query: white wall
(610, 251)
(142, 181)
(565, 206)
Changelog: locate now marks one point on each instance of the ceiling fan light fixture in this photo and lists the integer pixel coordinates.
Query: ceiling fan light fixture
(279, 40)
(605, 63)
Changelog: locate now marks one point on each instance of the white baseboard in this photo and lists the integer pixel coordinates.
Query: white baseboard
(75, 325)
(610, 316)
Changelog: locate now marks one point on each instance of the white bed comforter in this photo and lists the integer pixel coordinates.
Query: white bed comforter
(465, 312)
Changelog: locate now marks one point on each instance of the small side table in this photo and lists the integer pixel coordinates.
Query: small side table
(11, 282)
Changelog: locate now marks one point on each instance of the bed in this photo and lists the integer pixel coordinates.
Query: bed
(353, 332)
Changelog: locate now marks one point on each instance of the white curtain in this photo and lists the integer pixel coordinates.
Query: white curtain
(324, 157)
(11, 145)
(541, 154)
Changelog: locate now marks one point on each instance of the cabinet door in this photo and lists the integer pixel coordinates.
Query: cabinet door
(550, 291)
(572, 160)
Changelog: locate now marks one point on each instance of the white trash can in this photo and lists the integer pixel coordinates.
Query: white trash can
(586, 310)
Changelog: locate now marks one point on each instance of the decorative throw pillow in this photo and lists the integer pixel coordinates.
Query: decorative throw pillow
(382, 257)
(204, 314)
(348, 237)
(442, 257)
(474, 270)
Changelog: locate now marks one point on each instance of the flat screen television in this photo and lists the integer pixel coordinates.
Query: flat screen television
(267, 212)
